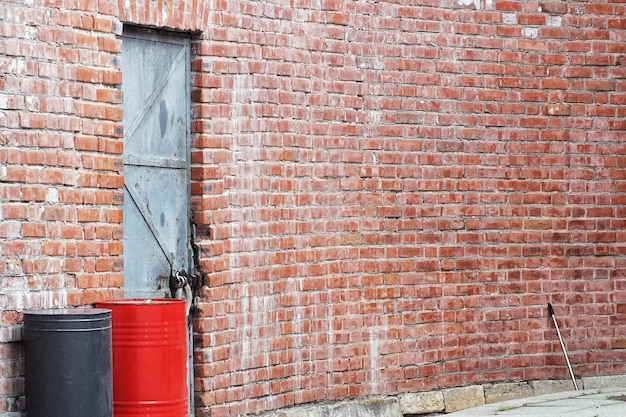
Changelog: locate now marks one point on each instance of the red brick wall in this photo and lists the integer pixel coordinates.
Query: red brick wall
(60, 163)
(387, 194)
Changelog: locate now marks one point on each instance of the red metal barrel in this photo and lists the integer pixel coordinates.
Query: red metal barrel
(149, 342)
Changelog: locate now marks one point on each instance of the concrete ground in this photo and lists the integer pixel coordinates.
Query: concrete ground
(601, 402)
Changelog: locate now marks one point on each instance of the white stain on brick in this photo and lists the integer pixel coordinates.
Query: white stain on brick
(165, 14)
(14, 266)
(531, 32)
(240, 96)
(373, 355)
(378, 338)
(52, 195)
(476, 3)
(554, 21)
(509, 18)
(294, 287)
(31, 32)
(256, 332)
(47, 299)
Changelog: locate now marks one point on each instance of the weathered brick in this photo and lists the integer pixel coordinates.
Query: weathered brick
(619, 344)
(558, 109)
(372, 205)
(555, 7)
(601, 85)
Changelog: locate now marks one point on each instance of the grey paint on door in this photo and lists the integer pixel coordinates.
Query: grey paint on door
(155, 71)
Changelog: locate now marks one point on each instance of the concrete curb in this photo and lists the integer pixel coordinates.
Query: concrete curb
(446, 400)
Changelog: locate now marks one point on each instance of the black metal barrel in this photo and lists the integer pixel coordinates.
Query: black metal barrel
(68, 363)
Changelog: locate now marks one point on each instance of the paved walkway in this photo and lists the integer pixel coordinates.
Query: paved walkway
(603, 402)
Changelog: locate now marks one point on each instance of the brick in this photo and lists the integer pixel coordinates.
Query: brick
(617, 23)
(555, 7)
(33, 230)
(600, 85)
(508, 5)
(618, 344)
(33, 121)
(617, 124)
(558, 109)
(87, 74)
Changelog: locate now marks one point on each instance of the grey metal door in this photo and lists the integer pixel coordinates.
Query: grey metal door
(155, 70)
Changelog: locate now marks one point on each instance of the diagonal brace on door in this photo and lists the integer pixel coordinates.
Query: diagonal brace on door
(147, 217)
(156, 93)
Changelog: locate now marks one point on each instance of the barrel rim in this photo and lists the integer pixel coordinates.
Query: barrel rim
(79, 311)
(141, 301)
